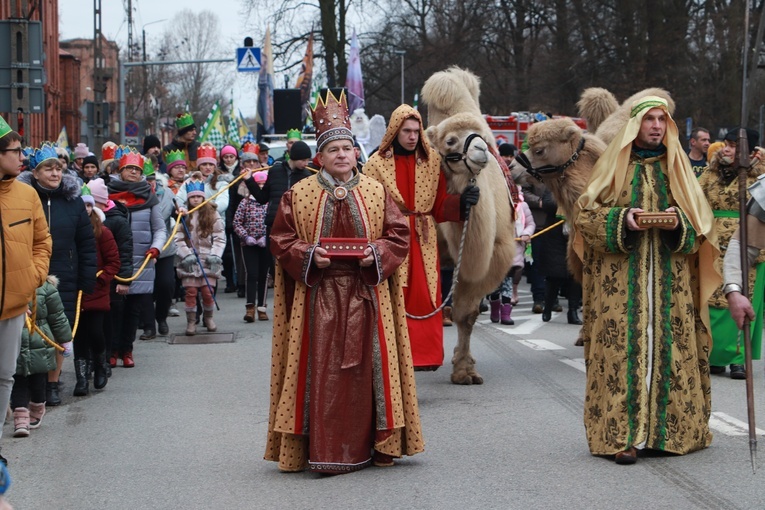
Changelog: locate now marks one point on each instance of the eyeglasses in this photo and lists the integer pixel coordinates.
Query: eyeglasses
(132, 169)
(18, 150)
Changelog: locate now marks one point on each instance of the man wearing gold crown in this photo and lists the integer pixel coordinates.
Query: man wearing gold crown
(185, 140)
(26, 250)
(410, 170)
(646, 284)
(342, 384)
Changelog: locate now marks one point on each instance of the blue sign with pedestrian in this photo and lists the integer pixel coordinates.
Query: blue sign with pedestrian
(247, 59)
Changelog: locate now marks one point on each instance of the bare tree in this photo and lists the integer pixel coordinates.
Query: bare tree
(194, 36)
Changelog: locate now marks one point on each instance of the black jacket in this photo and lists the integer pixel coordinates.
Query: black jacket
(233, 196)
(553, 243)
(280, 178)
(73, 260)
(190, 149)
(118, 221)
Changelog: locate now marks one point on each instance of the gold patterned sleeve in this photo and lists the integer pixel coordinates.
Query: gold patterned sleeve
(605, 229)
(684, 238)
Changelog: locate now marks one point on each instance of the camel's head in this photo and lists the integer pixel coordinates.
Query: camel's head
(552, 145)
(462, 140)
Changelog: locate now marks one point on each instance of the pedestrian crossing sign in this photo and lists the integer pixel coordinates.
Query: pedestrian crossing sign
(247, 59)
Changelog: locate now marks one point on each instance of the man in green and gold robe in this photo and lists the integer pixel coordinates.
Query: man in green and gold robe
(646, 321)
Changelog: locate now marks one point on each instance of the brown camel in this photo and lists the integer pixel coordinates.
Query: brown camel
(454, 116)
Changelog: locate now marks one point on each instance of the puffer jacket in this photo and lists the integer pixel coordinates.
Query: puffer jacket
(167, 210)
(118, 221)
(148, 232)
(221, 201)
(205, 246)
(109, 265)
(37, 356)
(25, 247)
(73, 260)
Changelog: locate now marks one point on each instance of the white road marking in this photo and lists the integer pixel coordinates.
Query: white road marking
(730, 426)
(577, 363)
(540, 345)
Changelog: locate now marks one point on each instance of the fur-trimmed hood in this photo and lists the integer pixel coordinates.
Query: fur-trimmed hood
(69, 188)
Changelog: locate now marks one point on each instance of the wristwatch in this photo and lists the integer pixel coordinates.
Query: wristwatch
(732, 287)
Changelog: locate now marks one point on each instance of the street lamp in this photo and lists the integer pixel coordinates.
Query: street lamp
(143, 35)
(401, 53)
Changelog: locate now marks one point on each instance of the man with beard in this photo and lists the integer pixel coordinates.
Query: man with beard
(646, 283)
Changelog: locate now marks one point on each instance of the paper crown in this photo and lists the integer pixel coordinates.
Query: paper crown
(252, 148)
(250, 151)
(148, 167)
(108, 152)
(207, 152)
(173, 156)
(184, 120)
(331, 119)
(44, 153)
(4, 128)
(129, 157)
(195, 188)
(294, 134)
(85, 191)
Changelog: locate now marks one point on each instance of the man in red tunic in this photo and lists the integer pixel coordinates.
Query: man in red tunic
(410, 170)
(343, 392)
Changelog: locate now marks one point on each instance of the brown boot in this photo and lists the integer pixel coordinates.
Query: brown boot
(262, 315)
(191, 323)
(249, 315)
(207, 318)
(447, 312)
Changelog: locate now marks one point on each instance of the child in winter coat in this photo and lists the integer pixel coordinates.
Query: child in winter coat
(250, 228)
(37, 357)
(208, 239)
(504, 298)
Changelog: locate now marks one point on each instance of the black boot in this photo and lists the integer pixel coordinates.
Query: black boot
(90, 370)
(551, 294)
(573, 316)
(100, 377)
(52, 397)
(80, 371)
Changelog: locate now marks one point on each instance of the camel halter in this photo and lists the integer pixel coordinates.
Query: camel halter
(456, 157)
(546, 170)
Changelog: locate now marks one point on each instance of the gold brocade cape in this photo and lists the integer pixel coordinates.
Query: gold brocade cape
(285, 442)
(382, 167)
(611, 177)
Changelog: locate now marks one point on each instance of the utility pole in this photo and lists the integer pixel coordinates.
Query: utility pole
(99, 84)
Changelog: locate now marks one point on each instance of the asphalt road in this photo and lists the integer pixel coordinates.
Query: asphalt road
(185, 429)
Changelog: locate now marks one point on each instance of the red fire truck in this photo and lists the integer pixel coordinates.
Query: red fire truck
(512, 128)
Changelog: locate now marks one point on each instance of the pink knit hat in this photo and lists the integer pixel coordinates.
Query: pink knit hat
(260, 177)
(228, 149)
(98, 190)
(81, 151)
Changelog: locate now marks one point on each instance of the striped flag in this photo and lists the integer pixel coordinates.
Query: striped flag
(245, 134)
(265, 115)
(353, 80)
(212, 130)
(232, 135)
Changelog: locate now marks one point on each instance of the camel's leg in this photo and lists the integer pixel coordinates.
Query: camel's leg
(464, 371)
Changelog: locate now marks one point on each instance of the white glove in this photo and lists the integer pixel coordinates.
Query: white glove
(68, 349)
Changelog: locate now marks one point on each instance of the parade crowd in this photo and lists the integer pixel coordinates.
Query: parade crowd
(111, 247)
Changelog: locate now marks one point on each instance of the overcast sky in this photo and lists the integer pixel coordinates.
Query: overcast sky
(76, 20)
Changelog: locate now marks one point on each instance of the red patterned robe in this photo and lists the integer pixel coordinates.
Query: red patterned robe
(342, 382)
